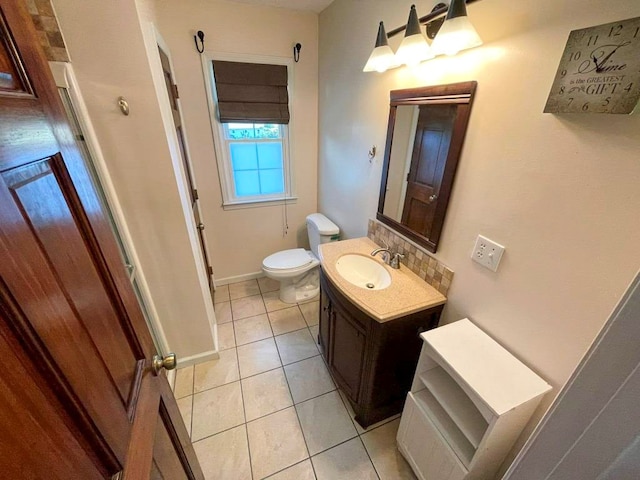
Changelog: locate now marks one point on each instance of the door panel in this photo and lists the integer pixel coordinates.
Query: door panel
(430, 151)
(172, 93)
(68, 314)
(347, 352)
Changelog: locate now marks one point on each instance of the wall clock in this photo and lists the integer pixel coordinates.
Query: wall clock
(599, 71)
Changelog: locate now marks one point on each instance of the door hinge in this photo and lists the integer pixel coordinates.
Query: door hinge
(408, 175)
(210, 270)
(174, 89)
(194, 193)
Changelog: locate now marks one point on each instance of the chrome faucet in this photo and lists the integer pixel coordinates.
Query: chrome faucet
(391, 259)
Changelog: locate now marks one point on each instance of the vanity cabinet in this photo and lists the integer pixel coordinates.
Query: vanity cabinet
(373, 362)
(469, 402)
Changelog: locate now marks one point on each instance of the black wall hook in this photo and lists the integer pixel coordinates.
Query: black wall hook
(296, 52)
(199, 35)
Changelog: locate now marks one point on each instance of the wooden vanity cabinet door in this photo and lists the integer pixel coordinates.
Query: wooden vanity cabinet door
(323, 327)
(348, 342)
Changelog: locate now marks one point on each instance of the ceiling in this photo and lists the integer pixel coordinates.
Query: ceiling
(312, 5)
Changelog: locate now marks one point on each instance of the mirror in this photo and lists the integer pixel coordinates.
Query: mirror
(424, 140)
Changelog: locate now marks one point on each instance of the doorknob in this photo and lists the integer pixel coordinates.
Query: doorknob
(200, 226)
(432, 198)
(168, 362)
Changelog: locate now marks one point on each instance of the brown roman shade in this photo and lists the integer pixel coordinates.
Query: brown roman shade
(251, 92)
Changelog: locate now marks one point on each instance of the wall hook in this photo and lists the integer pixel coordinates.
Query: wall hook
(199, 35)
(372, 153)
(124, 105)
(296, 52)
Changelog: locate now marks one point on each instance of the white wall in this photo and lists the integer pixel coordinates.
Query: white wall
(240, 239)
(561, 192)
(106, 47)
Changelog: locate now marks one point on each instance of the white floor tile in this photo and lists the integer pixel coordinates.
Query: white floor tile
(275, 443)
(383, 450)
(272, 302)
(247, 307)
(296, 346)
(216, 410)
(225, 456)
(226, 337)
(185, 406)
(311, 312)
(217, 372)
(346, 461)
(300, 471)
(267, 284)
(325, 422)
(308, 378)
(265, 394)
(221, 294)
(252, 329)
(243, 289)
(258, 357)
(184, 382)
(223, 312)
(286, 320)
(357, 425)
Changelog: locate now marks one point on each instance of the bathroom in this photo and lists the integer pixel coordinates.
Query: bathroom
(559, 191)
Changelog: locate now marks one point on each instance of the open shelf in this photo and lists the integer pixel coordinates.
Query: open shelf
(445, 425)
(456, 404)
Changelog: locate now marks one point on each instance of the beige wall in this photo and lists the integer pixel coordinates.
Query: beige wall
(561, 192)
(106, 47)
(240, 239)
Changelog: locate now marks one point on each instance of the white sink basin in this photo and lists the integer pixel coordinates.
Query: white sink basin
(363, 272)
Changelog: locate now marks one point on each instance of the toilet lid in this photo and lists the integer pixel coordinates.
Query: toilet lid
(286, 259)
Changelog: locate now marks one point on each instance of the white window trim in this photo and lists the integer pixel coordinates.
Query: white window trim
(229, 200)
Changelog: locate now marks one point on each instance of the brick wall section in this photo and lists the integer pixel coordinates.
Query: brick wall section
(415, 258)
(48, 30)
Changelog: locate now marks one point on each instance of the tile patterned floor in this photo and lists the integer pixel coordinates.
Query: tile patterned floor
(268, 408)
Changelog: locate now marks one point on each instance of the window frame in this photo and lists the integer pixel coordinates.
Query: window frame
(221, 143)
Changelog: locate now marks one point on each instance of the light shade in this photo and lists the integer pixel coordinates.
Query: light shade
(414, 47)
(456, 32)
(382, 57)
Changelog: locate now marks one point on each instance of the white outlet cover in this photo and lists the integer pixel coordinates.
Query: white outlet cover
(487, 253)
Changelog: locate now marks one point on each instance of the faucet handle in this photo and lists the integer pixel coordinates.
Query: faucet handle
(395, 262)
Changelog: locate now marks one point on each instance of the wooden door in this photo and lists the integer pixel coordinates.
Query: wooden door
(428, 161)
(80, 399)
(172, 92)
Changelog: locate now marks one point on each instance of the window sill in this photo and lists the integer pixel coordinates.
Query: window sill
(239, 204)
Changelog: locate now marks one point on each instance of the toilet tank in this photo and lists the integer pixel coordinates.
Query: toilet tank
(321, 230)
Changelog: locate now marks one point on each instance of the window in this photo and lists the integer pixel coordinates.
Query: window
(250, 117)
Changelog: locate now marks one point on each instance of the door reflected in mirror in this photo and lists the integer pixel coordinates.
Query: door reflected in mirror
(424, 139)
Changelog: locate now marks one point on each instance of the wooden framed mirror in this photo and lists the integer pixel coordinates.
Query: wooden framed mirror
(425, 135)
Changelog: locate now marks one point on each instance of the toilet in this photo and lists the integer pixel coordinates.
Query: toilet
(297, 269)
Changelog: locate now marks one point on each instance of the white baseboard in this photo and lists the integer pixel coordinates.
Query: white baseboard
(238, 278)
(198, 358)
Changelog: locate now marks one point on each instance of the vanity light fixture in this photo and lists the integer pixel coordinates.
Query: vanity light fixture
(457, 32)
(414, 47)
(452, 34)
(382, 57)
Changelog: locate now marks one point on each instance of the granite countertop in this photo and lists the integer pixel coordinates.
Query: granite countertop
(407, 293)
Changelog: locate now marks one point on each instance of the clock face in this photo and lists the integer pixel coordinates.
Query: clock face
(599, 71)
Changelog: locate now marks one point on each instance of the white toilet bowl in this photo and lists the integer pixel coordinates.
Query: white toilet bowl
(297, 272)
(297, 269)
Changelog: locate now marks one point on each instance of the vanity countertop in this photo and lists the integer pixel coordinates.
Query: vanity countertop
(407, 293)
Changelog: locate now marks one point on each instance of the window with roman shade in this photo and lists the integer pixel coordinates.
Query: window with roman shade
(251, 92)
(251, 116)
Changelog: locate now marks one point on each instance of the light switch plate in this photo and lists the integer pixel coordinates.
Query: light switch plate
(487, 253)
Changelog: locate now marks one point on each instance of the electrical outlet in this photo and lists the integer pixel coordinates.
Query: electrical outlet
(487, 253)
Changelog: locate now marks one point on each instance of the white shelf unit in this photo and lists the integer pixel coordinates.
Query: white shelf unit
(469, 402)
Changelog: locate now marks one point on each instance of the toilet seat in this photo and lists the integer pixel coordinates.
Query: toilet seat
(290, 262)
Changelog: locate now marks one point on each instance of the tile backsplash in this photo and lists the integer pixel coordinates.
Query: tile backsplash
(415, 258)
(44, 19)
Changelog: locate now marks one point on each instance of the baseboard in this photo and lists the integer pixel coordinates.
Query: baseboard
(238, 278)
(171, 378)
(198, 358)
